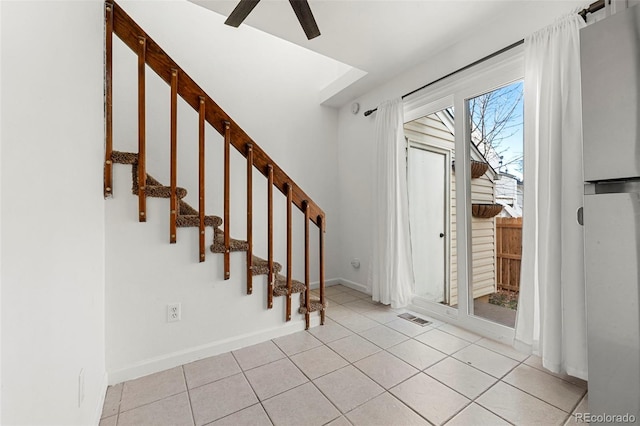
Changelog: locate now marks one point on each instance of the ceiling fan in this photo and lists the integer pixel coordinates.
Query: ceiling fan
(300, 7)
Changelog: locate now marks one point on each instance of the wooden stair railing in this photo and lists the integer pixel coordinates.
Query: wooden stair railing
(118, 22)
(160, 62)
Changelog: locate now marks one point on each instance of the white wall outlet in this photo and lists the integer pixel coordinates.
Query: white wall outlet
(174, 312)
(80, 387)
(355, 262)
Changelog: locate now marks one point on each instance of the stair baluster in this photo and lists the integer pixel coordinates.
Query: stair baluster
(307, 292)
(201, 117)
(227, 165)
(321, 224)
(173, 203)
(270, 234)
(249, 218)
(108, 73)
(142, 150)
(289, 247)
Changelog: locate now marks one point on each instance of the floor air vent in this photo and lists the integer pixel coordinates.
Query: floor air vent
(414, 319)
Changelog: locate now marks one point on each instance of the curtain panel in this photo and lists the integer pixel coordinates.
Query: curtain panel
(391, 271)
(551, 319)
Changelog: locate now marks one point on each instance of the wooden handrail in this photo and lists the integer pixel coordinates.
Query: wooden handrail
(162, 64)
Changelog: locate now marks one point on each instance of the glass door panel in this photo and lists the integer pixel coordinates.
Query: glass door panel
(497, 187)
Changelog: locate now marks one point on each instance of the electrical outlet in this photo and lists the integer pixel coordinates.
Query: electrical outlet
(174, 312)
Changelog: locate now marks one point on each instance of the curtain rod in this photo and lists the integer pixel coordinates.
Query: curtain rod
(593, 7)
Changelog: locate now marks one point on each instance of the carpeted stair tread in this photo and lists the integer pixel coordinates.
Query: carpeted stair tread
(164, 191)
(154, 188)
(151, 181)
(315, 305)
(193, 220)
(187, 210)
(261, 266)
(280, 287)
(187, 215)
(234, 245)
(124, 157)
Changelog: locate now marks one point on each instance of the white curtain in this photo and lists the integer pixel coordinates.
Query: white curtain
(551, 318)
(391, 272)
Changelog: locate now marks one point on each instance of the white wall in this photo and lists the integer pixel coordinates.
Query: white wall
(355, 132)
(271, 88)
(52, 212)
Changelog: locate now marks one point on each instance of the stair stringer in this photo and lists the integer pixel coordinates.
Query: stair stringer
(144, 273)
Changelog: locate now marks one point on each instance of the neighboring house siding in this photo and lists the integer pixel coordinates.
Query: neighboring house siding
(483, 233)
(431, 131)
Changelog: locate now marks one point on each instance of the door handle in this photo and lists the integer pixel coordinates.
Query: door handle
(441, 234)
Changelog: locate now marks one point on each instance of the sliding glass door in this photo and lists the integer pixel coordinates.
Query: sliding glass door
(465, 150)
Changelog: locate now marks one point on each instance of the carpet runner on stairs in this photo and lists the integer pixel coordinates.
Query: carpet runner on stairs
(189, 217)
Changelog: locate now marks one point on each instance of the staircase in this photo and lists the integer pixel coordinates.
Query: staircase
(182, 215)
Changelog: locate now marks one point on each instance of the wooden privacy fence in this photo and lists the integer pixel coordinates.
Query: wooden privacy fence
(508, 252)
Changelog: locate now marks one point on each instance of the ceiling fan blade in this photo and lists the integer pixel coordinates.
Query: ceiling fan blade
(305, 16)
(241, 12)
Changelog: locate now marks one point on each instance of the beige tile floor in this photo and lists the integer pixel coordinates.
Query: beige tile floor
(366, 366)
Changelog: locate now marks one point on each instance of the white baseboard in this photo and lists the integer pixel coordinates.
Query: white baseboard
(175, 359)
(327, 283)
(335, 281)
(354, 285)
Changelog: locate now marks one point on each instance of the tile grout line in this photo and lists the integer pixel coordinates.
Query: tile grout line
(151, 402)
(309, 380)
(341, 414)
(474, 400)
(500, 380)
(119, 402)
(349, 363)
(252, 390)
(186, 383)
(530, 394)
